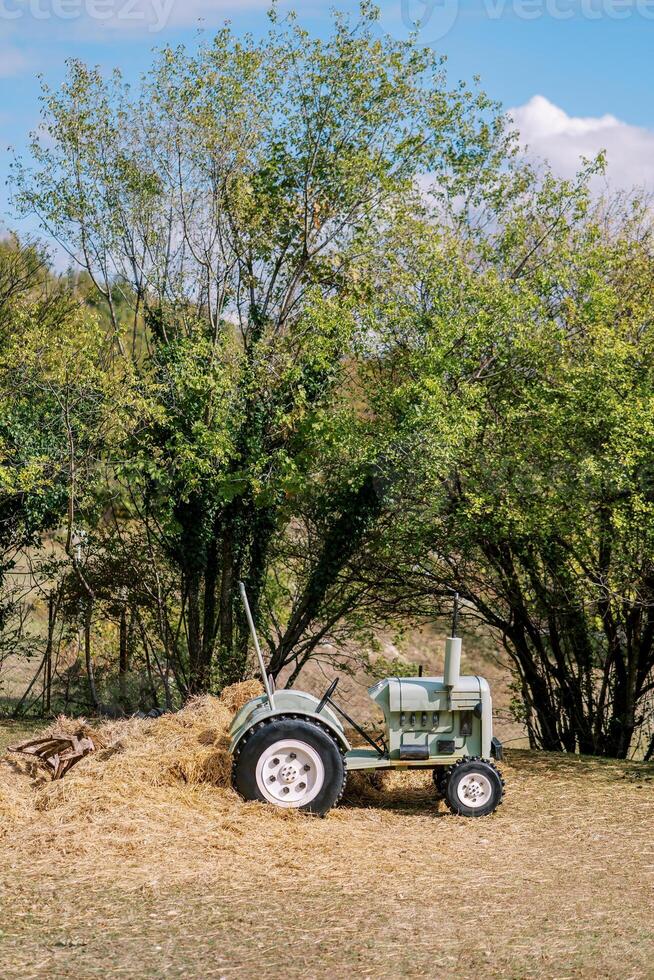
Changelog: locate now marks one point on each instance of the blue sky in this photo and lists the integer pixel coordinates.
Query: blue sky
(578, 72)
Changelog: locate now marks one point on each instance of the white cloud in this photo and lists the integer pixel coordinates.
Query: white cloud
(550, 133)
(12, 62)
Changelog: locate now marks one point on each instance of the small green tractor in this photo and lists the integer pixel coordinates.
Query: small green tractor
(290, 748)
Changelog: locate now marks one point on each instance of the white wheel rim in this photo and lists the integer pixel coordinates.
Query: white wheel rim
(474, 790)
(290, 773)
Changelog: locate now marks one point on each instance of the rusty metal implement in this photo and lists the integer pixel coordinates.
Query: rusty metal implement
(57, 752)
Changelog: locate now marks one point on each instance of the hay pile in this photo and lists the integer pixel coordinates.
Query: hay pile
(141, 767)
(155, 803)
(190, 746)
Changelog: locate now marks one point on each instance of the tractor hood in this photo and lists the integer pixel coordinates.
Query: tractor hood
(426, 693)
(427, 713)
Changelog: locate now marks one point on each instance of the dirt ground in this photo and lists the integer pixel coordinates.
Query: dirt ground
(190, 882)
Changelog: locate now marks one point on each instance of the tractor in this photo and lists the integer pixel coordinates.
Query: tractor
(290, 748)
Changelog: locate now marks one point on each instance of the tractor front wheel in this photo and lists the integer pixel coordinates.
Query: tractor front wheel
(474, 788)
(291, 762)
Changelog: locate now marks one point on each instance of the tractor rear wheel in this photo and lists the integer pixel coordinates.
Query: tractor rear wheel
(291, 762)
(474, 788)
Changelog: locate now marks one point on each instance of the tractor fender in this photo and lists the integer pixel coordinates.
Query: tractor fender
(297, 704)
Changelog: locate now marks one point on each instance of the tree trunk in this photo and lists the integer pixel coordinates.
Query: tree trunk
(151, 683)
(88, 659)
(359, 509)
(194, 634)
(211, 574)
(259, 536)
(622, 722)
(227, 593)
(47, 683)
(123, 659)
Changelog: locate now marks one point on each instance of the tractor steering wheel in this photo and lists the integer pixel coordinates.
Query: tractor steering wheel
(327, 695)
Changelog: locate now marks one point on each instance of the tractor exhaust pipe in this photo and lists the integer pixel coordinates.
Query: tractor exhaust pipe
(452, 661)
(452, 670)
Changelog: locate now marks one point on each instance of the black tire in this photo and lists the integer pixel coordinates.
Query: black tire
(315, 736)
(441, 775)
(491, 781)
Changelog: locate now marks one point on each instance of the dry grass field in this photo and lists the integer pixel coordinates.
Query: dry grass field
(143, 863)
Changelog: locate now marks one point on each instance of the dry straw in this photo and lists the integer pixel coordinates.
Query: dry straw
(160, 787)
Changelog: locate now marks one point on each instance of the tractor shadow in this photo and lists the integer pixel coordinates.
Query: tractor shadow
(407, 794)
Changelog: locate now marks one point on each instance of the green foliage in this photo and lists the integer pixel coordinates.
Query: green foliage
(523, 396)
(232, 204)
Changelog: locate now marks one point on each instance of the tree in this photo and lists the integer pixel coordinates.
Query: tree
(523, 395)
(30, 500)
(230, 202)
(64, 405)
